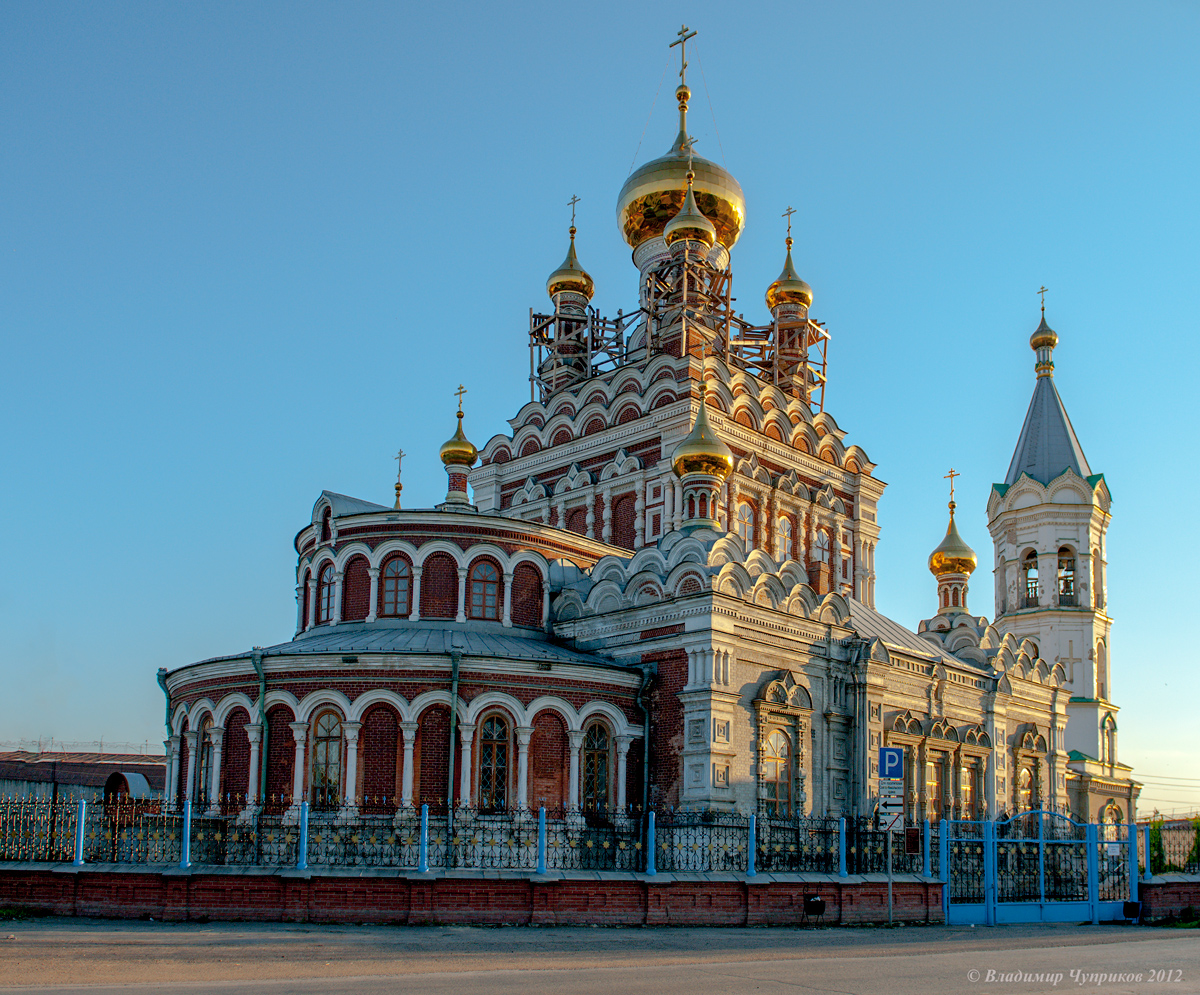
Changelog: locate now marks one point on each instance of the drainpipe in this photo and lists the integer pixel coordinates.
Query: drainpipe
(455, 659)
(256, 658)
(167, 787)
(162, 683)
(647, 673)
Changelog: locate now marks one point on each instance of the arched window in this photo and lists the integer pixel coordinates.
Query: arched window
(1101, 672)
(954, 597)
(325, 594)
(783, 540)
(395, 583)
(1097, 578)
(1030, 570)
(327, 761)
(484, 586)
(777, 775)
(326, 525)
(595, 768)
(493, 764)
(1066, 576)
(204, 759)
(822, 554)
(1108, 741)
(745, 525)
(1025, 797)
(1112, 814)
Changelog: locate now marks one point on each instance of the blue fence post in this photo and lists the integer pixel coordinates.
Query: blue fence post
(989, 872)
(1093, 865)
(650, 869)
(79, 827)
(842, 847)
(185, 846)
(752, 850)
(423, 845)
(944, 866)
(541, 869)
(1146, 874)
(926, 836)
(1131, 843)
(302, 848)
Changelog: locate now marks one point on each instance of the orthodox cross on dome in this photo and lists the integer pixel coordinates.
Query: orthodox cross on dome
(571, 204)
(689, 146)
(459, 393)
(400, 454)
(1042, 290)
(681, 41)
(950, 477)
(788, 214)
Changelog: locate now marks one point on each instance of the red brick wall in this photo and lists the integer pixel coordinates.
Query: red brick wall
(235, 756)
(265, 895)
(666, 725)
(622, 521)
(439, 587)
(1168, 898)
(548, 761)
(433, 739)
(577, 521)
(356, 590)
(527, 596)
(281, 754)
(181, 787)
(381, 756)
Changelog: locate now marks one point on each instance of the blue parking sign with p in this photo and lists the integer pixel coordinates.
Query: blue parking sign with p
(891, 761)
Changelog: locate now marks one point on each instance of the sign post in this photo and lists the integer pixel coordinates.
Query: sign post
(891, 801)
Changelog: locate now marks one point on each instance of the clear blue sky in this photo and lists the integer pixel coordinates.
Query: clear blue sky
(250, 249)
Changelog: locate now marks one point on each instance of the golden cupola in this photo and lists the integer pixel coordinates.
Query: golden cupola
(570, 277)
(458, 450)
(655, 192)
(702, 450)
(788, 288)
(690, 224)
(953, 555)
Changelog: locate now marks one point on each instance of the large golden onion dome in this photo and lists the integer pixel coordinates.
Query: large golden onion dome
(702, 451)
(654, 193)
(1043, 336)
(788, 288)
(689, 223)
(458, 449)
(953, 555)
(570, 276)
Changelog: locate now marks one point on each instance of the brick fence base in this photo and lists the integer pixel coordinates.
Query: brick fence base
(373, 896)
(1169, 894)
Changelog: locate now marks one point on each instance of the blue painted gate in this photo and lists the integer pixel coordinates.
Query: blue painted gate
(1036, 867)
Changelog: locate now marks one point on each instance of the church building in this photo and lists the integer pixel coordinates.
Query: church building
(658, 589)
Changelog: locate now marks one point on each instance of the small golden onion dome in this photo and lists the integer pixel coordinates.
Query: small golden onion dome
(458, 450)
(953, 555)
(1044, 336)
(789, 288)
(570, 276)
(702, 451)
(689, 223)
(654, 193)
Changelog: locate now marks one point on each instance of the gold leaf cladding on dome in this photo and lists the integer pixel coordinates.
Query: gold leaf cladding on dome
(654, 194)
(953, 555)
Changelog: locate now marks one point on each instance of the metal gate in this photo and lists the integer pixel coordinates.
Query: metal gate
(1037, 867)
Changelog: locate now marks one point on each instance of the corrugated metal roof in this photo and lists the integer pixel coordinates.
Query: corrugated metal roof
(872, 625)
(1047, 445)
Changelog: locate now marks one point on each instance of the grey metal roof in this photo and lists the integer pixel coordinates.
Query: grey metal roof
(1047, 445)
(471, 639)
(343, 504)
(872, 625)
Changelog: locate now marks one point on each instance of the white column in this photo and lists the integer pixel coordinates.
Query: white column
(312, 603)
(622, 756)
(668, 491)
(190, 785)
(576, 739)
(462, 594)
(466, 734)
(299, 734)
(336, 614)
(639, 513)
(299, 607)
(835, 556)
(590, 527)
(371, 612)
(606, 530)
(677, 512)
(350, 801)
(507, 616)
(254, 734)
(415, 614)
(560, 508)
(409, 729)
(217, 734)
(172, 792)
(523, 735)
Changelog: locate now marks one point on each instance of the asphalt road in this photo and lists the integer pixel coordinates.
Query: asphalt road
(94, 956)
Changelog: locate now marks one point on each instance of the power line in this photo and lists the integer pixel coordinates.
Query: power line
(650, 115)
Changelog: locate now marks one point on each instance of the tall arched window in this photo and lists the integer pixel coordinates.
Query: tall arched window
(395, 583)
(325, 594)
(1097, 578)
(1101, 672)
(783, 540)
(822, 553)
(745, 525)
(204, 759)
(1030, 569)
(326, 776)
(484, 584)
(326, 523)
(777, 775)
(595, 768)
(1025, 797)
(1066, 576)
(493, 764)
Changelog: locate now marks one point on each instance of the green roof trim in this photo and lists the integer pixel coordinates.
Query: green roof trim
(1000, 489)
(1076, 755)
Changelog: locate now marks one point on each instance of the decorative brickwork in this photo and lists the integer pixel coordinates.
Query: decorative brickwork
(548, 761)
(432, 748)
(281, 753)
(380, 755)
(666, 774)
(235, 756)
(527, 596)
(623, 514)
(439, 587)
(356, 590)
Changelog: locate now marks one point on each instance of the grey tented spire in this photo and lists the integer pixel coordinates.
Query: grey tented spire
(1048, 444)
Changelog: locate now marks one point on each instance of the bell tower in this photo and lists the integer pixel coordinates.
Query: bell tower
(1049, 522)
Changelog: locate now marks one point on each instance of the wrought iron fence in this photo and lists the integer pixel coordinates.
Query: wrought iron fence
(798, 845)
(1174, 846)
(37, 829)
(701, 841)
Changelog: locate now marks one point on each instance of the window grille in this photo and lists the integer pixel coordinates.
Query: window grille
(485, 591)
(777, 775)
(493, 765)
(595, 769)
(327, 761)
(397, 582)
